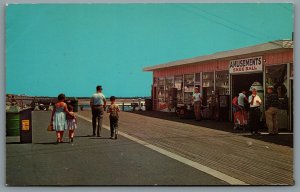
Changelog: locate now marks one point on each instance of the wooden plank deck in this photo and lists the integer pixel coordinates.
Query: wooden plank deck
(238, 155)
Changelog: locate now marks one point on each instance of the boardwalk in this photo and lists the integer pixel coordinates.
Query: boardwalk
(250, 160)
(92, 161)
(223, 157)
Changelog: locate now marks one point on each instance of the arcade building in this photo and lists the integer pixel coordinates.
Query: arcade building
(227, 73)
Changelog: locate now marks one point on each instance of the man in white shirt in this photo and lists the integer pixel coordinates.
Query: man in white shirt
(197, 103)
(98, 105)
(254, 112)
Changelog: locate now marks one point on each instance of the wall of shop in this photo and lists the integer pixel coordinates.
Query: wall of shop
(285, 56)
(279, 58)
(192, 68)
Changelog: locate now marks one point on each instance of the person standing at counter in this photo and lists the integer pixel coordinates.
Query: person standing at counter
(242, 99)
(214, 105)
(197, 100)
(282, 97)
(254, 112)
(272, 104)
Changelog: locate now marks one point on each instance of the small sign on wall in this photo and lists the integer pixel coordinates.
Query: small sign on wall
(25, 125)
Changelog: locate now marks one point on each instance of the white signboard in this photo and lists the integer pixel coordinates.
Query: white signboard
(252, 64)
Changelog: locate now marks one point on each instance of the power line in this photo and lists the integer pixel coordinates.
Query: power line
(231, 22)
(195, 10)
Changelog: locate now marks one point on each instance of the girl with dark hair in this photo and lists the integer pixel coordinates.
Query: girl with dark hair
(58, 117)
(72, 123)
(236, 109)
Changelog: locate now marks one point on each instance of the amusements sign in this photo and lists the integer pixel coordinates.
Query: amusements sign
(252, 64)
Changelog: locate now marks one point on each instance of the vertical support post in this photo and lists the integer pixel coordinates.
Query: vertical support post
(231, 95)
(201, 84)
(264, 88)
(194, 80)
(164, 89)
(182, 88)
(288, 70)
(214, 80)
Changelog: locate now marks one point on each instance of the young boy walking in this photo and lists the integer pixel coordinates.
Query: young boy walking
(113, 117)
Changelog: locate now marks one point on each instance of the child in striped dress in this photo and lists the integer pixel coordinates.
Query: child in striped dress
(72, 123)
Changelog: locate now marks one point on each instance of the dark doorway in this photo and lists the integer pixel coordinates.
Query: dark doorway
(244, 81)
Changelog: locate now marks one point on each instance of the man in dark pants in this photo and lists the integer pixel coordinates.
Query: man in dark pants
(272, 104)
(254, 112)
(98, 105)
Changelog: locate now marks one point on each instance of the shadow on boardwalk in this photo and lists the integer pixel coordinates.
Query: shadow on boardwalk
(285, 139)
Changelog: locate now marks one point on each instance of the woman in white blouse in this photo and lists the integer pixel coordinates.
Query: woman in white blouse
(197, 99)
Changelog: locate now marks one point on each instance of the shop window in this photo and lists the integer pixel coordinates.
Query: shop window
(276, 76)
(169, 84)
(207, 86)
(189, 84)
(197, 79)
(208, 82)
(178, 82)
(155, 83)
(222, 82)
(161, 89)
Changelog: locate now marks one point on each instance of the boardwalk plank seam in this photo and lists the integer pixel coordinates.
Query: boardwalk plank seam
(198, 166)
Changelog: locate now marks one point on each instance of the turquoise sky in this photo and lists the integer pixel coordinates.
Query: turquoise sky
(71, 48)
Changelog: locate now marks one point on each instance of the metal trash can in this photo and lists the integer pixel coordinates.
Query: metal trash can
(20, 124)
(12, 123)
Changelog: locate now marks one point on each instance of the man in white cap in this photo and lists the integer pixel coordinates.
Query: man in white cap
(197, 99)
(272, 104)
(254, 112)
